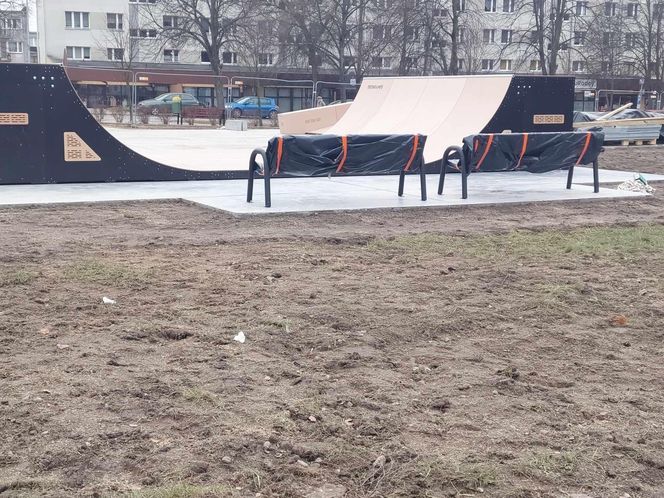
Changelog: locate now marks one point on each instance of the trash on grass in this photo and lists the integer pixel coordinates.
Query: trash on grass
(240, 337)
(107, 300)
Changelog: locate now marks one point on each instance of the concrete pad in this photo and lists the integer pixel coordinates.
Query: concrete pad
(334, 194)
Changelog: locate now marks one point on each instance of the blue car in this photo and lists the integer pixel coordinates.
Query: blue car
(249, 106)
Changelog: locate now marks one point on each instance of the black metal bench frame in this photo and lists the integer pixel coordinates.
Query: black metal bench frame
(255, 168)
(455, 153)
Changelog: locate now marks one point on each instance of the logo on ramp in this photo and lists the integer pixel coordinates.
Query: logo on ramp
(14, 118)
(76, 150)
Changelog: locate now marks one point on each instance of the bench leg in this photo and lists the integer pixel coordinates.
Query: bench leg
(268, 193)
(250, 182)
(596, 175)
(570, 175)
(464, 178)
(441, 179)
(253, 167)
(423, 182)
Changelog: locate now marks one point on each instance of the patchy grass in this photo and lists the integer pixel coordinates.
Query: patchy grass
(622, 242)
(551, 464)
(472, 477)
(99, 272)
(182, 490)
(201, 396)
(17, 277)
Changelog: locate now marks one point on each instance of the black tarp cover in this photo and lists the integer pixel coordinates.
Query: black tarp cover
(322, 155)
(533, 152)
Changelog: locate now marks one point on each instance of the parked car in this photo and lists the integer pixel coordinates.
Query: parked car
(165, 101)
(248, 107)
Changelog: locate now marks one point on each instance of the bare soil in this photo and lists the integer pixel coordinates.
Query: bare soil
(507, 351)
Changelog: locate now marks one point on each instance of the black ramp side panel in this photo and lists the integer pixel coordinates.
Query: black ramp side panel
(529, 96)
(35, 153)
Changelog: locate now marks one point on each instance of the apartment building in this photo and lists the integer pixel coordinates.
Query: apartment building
(389, 37)
(14, 36)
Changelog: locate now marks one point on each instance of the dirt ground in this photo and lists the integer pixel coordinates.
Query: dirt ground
(507, 351)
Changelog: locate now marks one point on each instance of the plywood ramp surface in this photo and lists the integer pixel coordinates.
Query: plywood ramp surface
(444, 108)
(315, 120)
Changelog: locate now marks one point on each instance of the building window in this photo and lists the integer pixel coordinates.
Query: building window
(631, 40)
(460, 36)
(535, 65)
(487, 64)
(205, 58)
(381, 32)
(143, 33)
(77, 20)
(488, 35)
(632, 9)
(229, 57)
(171, 55)
(629, 68)
(78, 53)
(440, 12)
(608, 38)
(579, 38)
(410, 33)
(381, 62)
(170, 22)
(508, 5)
(578, 66)
(349, 61)
(607, 67)
(114, 21)
(505, 64)
(460, 64)
(265, 59)
(506, 36)
(410, 61)
(581, 8)
(610, 9)
(114, 54)
(490, 5)
(11, 24)
(15, 47)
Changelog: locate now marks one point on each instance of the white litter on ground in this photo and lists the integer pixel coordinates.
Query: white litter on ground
(240, 337)
(107, 300)
(637, 184)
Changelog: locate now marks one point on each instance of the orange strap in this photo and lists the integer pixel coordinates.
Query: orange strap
(280, 152)
(523, 149)
(486, 151)
(476, 145)
(344, 148)
(416, 142)
(585, 149)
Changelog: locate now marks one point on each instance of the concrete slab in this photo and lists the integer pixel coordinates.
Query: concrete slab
(333, 194)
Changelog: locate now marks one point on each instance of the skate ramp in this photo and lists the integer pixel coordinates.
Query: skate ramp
(448, 108)
(315, 120)
(48, 136)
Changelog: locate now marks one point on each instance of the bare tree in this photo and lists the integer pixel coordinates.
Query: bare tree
(603, 41)
(123, 51)
(646, 40)
(211, 24)
(544, 38)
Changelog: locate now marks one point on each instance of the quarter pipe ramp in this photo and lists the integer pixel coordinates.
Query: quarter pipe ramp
(48, 136)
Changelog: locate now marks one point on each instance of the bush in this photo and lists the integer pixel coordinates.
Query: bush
(99, 113)
(144, 114)
(118, 113)
(164, 114)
